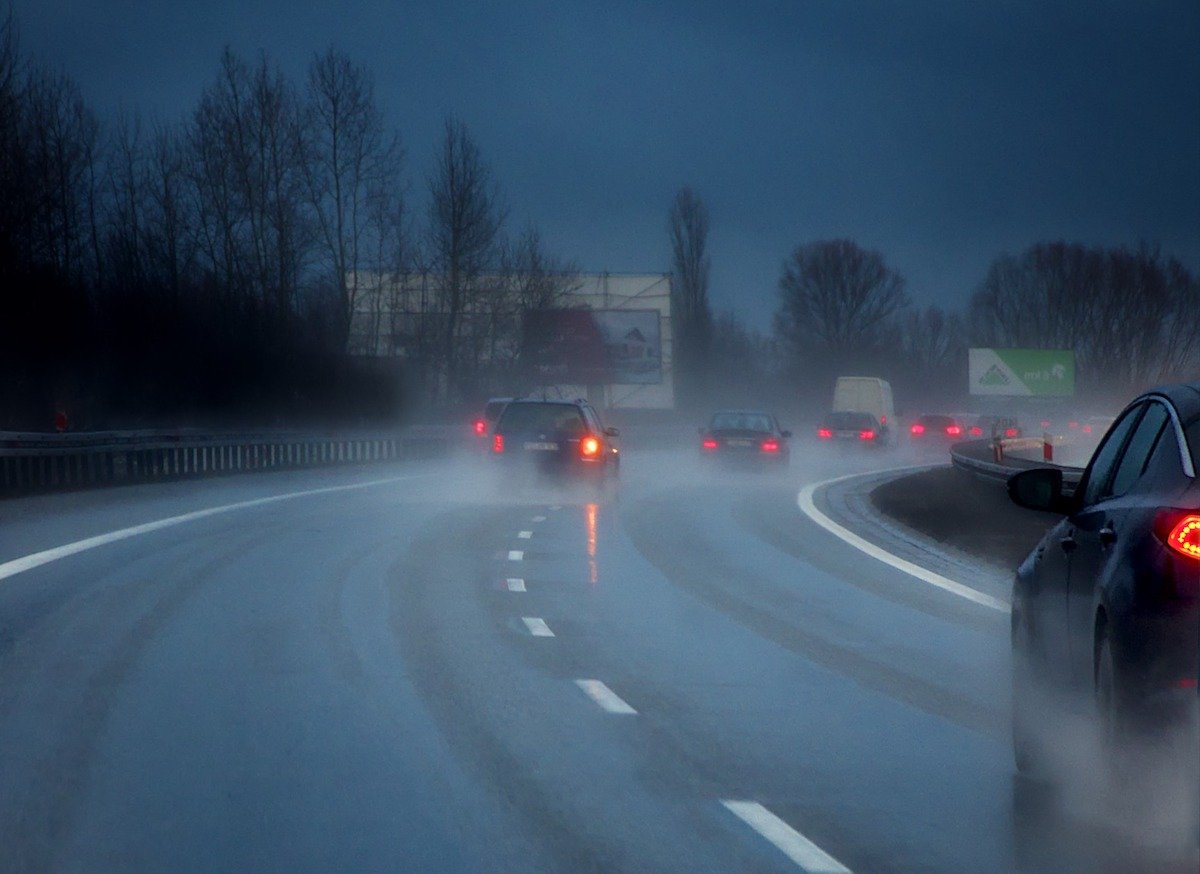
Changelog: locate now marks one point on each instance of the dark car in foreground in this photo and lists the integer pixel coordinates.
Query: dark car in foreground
(745, 436)
(1106, 610)
(555, 438)
(858, 429)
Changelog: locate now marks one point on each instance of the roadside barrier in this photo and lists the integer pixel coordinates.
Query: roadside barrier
(990, 460)
(47, 462)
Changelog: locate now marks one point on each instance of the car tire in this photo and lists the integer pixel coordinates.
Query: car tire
(1028, 745)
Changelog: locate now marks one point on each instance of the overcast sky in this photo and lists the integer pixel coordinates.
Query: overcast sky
(940, 133)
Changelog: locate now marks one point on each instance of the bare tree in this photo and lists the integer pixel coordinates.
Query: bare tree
(465, 218)
(691, 317)
(835, 300)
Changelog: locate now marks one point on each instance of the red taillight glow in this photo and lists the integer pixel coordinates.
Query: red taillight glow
(824, 433)
(1184, 537)
(917, 429)
(1087, 429)
(497, 443)
(1012, 432)
(953, 430)
(709, 443)
(1072, 425)
(1045, 423)
(589, 447)
(866, 435)
(480, 427)
(976, 431)
(883, 420)
(770, 446)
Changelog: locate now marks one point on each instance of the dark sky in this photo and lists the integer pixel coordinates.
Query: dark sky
(941, 133)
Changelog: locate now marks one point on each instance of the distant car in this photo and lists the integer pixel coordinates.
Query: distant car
(859, 429)
(555, 438)
(747, 436)
(936, 430)
(867, 394)
(988, 427)
(1106, 610)
(486, 421)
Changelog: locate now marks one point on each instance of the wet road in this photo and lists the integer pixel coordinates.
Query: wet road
(402, 668)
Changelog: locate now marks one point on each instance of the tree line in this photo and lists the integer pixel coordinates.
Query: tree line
(220, 268)
(1130, 315)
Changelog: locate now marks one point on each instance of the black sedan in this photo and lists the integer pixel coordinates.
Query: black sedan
(745, 436)
(556, 438)
(1106, 610)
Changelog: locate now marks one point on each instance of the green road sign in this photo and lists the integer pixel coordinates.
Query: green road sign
(1021, 372)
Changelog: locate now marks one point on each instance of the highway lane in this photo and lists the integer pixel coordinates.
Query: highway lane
(431, 674)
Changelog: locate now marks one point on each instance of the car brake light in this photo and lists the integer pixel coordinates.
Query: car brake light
(589, 447)
(1181, 533)
(883, 420)
(497, 443)
(866, 435)
(976, 431)
(1087, 429)
(709, 443)
(824, 433)
(770, 446)
(1011, 432)
(480, 427)
(1072, 425)
(1045, 423)
(917, 429)
(953, 430)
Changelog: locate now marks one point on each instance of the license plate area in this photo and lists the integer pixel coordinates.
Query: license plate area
(541, 447)
(740, 444)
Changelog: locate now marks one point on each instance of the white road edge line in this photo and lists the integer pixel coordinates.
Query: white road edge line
(524, 535)
(37, 559)
(608, 700)
(790, 842)
(537, 627)
(516, 555)
(514, 584)
(809, 507)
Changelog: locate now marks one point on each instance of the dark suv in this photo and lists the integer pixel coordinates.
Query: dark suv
(1106, 610)
(561, 438)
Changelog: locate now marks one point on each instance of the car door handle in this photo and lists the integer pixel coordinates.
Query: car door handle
(1068, 544)
(1108, 536)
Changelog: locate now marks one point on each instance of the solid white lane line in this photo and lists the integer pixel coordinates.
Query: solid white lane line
(524, 535)
(513, 584)
(790, 842)
(607, 699)
(538, 519)
(516, 555)
(537, 627)
(806, 503)
(37, 559)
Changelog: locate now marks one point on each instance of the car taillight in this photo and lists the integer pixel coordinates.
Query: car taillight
(1087, 429)
(1180, 530)
(866, 435)
(883, 420)
(1012, 432)
(770, 446)
(1072, 425)
(824, 433)
(976, 431)
(1045, 424)
(953, 430)
(708, 443)
(589, 447)
(480, 427)
(497, 443)
(917, 429)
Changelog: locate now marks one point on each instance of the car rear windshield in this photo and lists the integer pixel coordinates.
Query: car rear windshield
(524, 417)
(850, 421)
(493, 410)
(938, 423)
(740, 422)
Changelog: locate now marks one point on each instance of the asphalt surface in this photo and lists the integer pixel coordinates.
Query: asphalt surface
(402, 667)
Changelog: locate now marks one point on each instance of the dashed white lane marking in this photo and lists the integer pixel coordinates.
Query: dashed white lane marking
(524, 535)
(556, 508)
(514, 584)
(538, 519)
(537, 627)
(37, 559)
(608, 700)
(790, 842)
(805, 500)
(516, 555)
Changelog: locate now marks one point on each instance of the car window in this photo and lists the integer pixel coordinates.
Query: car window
(1138, 450)
(541, 417)
(740, 422)
(593, 419)
(492, 411)
(1164, 463)
(1101, 469)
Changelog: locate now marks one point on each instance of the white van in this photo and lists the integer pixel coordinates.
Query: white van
(867, 394)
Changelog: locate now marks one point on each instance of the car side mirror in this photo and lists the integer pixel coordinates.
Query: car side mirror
(1039, 489)
(612, 432)
(786, 434)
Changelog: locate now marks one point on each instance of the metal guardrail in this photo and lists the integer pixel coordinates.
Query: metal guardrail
(977, 458)
(46, 462)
